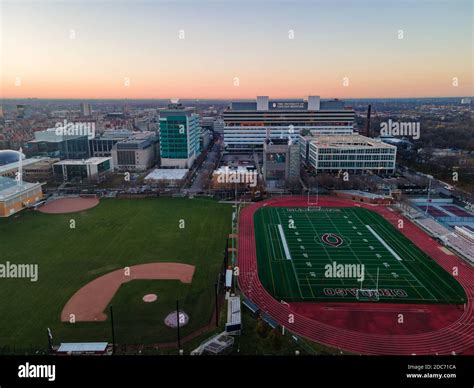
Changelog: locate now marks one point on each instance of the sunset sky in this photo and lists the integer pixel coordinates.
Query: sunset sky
(87, 49)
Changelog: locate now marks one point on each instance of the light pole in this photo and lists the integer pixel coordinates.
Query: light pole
(430, 177)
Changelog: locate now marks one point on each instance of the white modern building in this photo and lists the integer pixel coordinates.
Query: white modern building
(92, 169)
(248, 123)
(352, 153)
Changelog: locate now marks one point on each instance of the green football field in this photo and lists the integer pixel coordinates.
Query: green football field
(115, 234)
(345, 254)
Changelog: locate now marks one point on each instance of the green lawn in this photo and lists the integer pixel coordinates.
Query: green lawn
(295, 246)
(115, 234)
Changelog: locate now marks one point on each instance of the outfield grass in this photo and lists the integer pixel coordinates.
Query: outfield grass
(115, 234)
(295, 246)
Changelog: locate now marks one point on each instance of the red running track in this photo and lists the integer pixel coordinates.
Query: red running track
(446, 338)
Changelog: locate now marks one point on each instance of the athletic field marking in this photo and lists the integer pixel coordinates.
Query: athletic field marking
(381, 240)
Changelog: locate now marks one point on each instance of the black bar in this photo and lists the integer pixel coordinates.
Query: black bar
(177, 325)
(113, 330)
(217, 307)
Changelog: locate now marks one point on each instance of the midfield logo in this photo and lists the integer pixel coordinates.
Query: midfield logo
(332, 239)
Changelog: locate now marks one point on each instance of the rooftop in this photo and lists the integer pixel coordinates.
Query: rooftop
(25, 162)
(80, 162)
(9, 187)
(345, 141)
(83, 347)
(167, 174)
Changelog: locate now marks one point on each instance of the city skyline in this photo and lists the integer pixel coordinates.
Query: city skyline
(235, 50)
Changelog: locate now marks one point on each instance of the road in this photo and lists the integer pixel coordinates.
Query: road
(201, 177)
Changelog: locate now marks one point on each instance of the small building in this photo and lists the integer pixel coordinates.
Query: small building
(17, 195)
(34, 169)
(136, 153)
(84, 348)
(281, 162)
(232, 177)
(233, 325)
(166, 176)
(92, 169)
(365, 197)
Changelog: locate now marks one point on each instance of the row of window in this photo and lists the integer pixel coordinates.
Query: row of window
(356, 157)
(322, 150)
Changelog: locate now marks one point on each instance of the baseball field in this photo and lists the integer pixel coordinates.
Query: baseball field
(72, 250)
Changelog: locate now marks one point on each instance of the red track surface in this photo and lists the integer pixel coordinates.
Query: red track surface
(450, 329)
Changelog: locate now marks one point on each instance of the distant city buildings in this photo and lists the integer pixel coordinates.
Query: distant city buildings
(179, 136)
(219, 126)
(247, 124)
(86, 109)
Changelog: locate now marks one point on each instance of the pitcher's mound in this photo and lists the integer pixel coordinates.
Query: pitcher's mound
(148, 298)
(69, 205)
(171, 319)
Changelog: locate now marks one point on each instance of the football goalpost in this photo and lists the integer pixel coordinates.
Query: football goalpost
(369, 294)
(313, 200)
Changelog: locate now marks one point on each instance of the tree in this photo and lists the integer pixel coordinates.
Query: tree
(262, 328)
(276, 339)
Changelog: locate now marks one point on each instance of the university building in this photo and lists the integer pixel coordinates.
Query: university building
(248, 123)
(281, 163)
(179, 136)
(352, 153)
(92, 169)
(136, 153)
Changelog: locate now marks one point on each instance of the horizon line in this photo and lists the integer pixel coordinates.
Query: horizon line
(226, 98)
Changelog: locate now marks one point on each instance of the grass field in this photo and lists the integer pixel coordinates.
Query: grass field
(115, 234)
(311, 255)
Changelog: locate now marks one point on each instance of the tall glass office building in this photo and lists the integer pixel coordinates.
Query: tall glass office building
(179, 136)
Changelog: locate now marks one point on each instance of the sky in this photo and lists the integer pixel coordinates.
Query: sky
(236, 49)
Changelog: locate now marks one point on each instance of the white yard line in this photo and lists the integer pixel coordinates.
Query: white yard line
(381, 240)
(283, 241)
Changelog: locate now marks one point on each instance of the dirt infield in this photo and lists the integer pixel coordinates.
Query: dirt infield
(88, 303)
(69, 205)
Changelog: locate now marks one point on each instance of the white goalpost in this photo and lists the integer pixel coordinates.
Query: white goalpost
(313, 201)
(369, 294)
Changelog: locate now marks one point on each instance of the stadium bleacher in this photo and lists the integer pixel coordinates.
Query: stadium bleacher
(457, 211)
